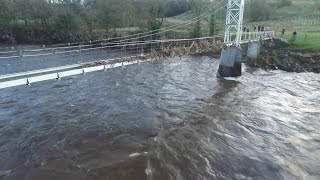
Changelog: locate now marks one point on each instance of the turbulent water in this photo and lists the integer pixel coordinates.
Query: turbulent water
(163, 120)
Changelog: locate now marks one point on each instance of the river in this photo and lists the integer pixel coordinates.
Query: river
(163, 120)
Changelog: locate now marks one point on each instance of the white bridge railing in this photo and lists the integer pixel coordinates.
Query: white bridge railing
(257, 35)
(251, 36)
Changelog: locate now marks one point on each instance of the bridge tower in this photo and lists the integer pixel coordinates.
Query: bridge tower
(230, 61)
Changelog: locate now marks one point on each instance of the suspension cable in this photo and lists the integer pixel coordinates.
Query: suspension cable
(116, 44)
(69, 45)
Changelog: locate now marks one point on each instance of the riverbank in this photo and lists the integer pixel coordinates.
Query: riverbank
(307, 40)
(284, 57)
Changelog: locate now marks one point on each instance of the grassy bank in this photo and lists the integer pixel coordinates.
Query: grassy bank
(308, 38)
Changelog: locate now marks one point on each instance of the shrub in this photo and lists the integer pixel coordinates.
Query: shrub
(284, 3)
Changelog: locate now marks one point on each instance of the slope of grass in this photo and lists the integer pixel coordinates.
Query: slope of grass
(307, 38)
(302, 16)
(185, 16)
(298, 8)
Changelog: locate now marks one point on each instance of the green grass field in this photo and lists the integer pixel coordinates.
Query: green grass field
(308, 38)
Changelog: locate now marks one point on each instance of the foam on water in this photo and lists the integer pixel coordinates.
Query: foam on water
(315, 96)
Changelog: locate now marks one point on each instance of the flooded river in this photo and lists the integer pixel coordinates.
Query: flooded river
(163, 120)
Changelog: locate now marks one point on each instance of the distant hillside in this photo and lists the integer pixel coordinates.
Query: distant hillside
(295, 13)
(297, 8)
(277, 10)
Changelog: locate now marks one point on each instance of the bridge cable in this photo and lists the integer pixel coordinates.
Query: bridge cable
(118, 45)
(70, 44)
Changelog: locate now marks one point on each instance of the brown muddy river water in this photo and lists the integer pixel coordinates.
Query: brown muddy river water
(163, 120)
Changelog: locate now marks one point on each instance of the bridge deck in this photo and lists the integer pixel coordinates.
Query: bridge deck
(29, 77)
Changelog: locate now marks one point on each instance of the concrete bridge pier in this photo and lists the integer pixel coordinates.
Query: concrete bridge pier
(253, 50)
(230, 62)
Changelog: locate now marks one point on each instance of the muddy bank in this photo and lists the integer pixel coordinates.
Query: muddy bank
(278, 55)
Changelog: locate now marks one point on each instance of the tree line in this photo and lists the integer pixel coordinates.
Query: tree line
(54, 21)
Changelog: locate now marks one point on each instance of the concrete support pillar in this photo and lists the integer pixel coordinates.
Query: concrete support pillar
(253, 50)
(230, 62)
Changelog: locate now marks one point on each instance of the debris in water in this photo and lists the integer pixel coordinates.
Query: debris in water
(5, 173)
(137, 154)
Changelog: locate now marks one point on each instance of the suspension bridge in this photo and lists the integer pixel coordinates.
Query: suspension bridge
(29, 66)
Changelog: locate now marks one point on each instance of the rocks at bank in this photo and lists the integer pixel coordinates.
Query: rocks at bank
(278, 55)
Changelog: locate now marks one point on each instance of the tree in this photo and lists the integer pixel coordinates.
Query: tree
(199, 6)
(157, 10)
(89, 15)
(21, 10)
(4, 16)
(259, 10)
(212, 25)
(129, 16)
(65, 23)
(56, 20)
(109, 12)
(40, 11)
